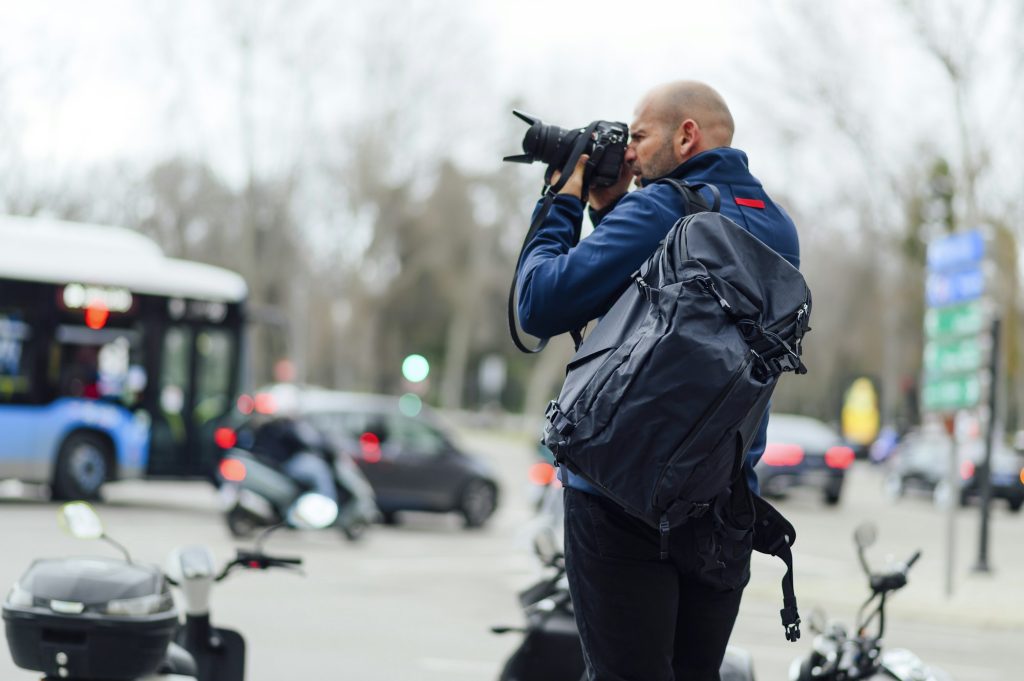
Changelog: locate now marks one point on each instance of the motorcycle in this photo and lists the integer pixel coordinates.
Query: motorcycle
(837, 656)
(551, 648)
(92, 619)
(257, 493)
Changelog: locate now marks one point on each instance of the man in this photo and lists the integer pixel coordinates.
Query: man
(642, 618)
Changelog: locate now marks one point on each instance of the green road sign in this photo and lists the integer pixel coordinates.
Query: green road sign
(958, 320)
(955, 356)
(957, 392)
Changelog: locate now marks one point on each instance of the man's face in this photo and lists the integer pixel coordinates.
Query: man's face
(650, 153)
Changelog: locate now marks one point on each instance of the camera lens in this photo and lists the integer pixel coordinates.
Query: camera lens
(545, 143)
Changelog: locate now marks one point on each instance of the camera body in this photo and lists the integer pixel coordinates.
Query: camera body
(605, 144)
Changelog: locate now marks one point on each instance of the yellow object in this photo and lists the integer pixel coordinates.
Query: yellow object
(860, 417)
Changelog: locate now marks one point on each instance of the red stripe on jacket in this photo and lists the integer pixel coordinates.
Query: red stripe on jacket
(750, 203)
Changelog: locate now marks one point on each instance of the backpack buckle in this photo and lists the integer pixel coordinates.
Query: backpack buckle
(557, 419)
(646, 291)
(791, 622)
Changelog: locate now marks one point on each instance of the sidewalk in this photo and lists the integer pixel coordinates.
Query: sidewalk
(829, 576)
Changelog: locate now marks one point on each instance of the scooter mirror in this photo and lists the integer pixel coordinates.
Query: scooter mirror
(312, 511)
(81, 521)
(545, 545)
(865, 535)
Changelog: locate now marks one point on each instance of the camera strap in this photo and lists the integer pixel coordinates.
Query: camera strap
(549, 193)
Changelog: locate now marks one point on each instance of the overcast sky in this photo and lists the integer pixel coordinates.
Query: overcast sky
(114, 79)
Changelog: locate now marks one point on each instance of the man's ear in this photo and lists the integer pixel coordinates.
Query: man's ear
(688, 139)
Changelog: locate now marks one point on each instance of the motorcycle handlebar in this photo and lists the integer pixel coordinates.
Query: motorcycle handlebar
(893, 581)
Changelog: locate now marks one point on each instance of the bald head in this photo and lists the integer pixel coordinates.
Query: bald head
(673, 123)
(673, 103)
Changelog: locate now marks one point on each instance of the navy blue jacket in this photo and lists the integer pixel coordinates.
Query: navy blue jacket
(562, 287)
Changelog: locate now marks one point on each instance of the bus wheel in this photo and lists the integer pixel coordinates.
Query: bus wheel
(82, 467)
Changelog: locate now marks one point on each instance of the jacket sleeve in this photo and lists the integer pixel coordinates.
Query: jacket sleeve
(562, 287)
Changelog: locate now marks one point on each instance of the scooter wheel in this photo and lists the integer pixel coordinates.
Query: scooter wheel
(355, 531)
(240, 523)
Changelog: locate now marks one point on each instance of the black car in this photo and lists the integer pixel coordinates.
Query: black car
(402, 449)
(803, 452)
(921, 463)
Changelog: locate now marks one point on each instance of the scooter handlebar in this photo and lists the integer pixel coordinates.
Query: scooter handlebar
(255, 560)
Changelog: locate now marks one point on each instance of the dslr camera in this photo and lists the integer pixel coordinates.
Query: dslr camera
(605, 144)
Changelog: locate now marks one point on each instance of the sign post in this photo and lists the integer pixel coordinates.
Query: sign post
(957, 357)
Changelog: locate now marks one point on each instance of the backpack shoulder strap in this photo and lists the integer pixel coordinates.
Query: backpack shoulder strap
(691, 197)
(774, 535)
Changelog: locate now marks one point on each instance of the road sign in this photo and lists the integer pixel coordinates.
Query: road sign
(950, 357)
(955, 392)
(950, 322)
(956, 250)
(951, 288)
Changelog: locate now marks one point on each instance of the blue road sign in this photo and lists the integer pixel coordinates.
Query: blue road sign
(955, 251)
(954, 287)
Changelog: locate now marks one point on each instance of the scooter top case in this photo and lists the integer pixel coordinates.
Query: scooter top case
(90, 618)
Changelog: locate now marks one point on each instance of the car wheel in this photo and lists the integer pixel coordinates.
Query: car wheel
(894, 487)
(389, 517)
(1015, 505)
(478, 501)
(82, 467)
(832, 496)
(241, 524)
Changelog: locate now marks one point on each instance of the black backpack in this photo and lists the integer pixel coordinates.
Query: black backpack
(661, 401)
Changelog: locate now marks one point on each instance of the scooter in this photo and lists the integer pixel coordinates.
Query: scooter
(256, 493)
(93, 619)
(551, 649)
(837, 656)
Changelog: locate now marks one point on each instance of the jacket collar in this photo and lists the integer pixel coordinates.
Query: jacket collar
(722, 163)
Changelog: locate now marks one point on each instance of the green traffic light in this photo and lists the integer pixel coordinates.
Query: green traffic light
(415, 368)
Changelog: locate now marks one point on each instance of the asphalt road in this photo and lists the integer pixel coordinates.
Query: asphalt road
(416, 601)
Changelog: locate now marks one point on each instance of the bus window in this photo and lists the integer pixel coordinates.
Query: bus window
(213, 388)
(79, 373)
(174, 379)
(14, 358)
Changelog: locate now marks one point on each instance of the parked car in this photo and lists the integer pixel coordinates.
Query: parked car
(410, 459)
(803, 452)
(921, 462)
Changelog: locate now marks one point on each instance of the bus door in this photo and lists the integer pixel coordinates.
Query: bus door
(196, 388)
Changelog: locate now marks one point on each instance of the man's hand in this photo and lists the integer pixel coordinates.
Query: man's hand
(598, 197)
(574, 185)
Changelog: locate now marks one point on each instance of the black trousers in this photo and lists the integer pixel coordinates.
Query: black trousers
(646, 619)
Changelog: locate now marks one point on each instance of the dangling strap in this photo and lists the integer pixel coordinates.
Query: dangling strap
(774, 535)
(550, 193)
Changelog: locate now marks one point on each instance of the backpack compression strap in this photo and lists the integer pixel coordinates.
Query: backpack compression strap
(774, 535)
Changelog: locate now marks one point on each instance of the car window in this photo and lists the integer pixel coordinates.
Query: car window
(415, 436)
(801, 430)
(341, 426)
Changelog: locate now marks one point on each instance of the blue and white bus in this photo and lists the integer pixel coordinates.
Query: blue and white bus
(115, 360)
